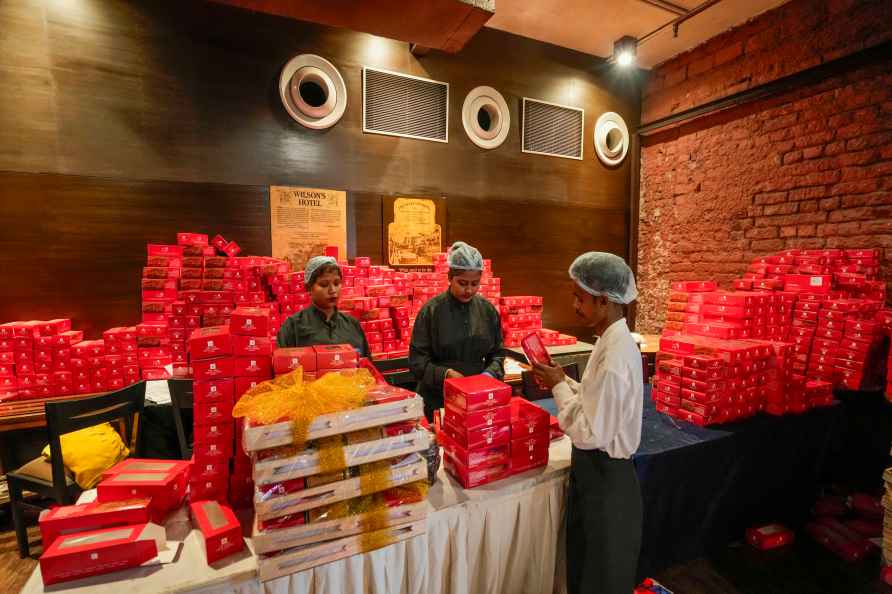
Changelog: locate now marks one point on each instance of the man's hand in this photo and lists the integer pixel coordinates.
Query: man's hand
(548, 375)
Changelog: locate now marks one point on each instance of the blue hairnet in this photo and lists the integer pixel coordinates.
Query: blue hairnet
(462, 256)
(600, 273)
(314, 264)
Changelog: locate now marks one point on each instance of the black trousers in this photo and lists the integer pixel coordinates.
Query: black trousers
(603, 524)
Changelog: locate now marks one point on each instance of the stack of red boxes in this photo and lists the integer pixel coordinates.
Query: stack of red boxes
(530, 435)
(477, 428)
(252, 348)
(210, 354)
(710, 381)
(522, 315)
(686, 299)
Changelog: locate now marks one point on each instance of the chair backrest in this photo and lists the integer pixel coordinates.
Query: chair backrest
(532, 391)
(124, 405)
(181, 397)
(396, 371)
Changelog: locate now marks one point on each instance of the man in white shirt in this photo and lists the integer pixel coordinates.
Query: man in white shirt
(602, 415)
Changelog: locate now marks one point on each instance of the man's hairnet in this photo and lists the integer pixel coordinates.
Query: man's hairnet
(600, 273)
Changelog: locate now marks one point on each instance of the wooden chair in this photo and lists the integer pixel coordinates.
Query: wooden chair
(396, 372)
(52, 479)
(532, 391)
(180, 400)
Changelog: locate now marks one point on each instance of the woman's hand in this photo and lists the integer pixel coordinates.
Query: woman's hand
(549, 376)
(452, 374)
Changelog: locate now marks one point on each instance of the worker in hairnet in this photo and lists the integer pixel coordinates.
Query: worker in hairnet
(457, 333)
(602, 416)
(321, 322)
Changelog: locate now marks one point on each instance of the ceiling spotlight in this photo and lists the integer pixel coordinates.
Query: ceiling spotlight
(624, 50)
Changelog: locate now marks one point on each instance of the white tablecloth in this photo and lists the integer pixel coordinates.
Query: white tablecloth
(506, 537)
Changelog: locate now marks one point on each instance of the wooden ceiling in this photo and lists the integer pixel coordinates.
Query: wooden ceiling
(435, 24)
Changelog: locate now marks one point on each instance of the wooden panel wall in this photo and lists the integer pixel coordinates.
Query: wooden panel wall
(124, 122)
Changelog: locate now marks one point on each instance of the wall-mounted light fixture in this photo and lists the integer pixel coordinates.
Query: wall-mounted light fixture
(625, 50)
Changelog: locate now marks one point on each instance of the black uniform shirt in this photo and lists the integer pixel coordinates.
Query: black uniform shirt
(309, 327)
(449, 334)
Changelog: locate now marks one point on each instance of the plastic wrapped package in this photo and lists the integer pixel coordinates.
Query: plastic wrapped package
(289, 463)
(395, 506)
(286, 498)
(306, 557)
(410, 406)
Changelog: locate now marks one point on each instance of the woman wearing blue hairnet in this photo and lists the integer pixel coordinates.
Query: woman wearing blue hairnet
(456, 333)
(602, 416)
(321, 322)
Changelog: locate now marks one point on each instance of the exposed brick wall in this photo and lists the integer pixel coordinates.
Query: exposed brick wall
(812, 168)
(783, 41)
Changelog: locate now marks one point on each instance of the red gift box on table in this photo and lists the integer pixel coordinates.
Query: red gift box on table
(213, 432)
(216, 488)
(530, 451)
(470, 478)
(258, 367)
(288, 359)
(251, 346)
(166, 490)
(209, 342)
(493, 417)
(148, 465)
(250, 321)
(91, 516)
(85, 554)
(478, 437)
(211, 369)
(220, 530)
(213, 451)
(213, 412)
(335, 356)
(475, 393)
(212, 390)
(527, 419)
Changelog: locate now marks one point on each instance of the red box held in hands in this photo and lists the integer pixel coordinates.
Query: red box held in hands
(476, 393)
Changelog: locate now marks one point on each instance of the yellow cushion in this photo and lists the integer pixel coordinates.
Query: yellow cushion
(90, 452)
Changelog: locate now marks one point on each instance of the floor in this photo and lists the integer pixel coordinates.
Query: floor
(803, 568)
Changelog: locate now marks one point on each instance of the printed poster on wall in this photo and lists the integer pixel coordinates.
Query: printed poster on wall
(305, 220)
(415, 233)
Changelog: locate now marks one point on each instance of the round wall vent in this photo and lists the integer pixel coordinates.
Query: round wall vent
(611, 138)
(313, 91)
(485, 117)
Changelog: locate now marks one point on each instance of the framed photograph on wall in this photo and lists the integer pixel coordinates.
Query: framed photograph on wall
(414, 230)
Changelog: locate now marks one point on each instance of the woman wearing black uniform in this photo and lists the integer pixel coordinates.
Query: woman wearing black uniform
(602, 416)
(321, 322)
(456, 333)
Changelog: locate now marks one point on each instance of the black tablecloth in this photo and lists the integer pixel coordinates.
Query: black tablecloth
(702, 487)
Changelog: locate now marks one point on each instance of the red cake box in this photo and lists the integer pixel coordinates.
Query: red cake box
(148, 465)
(210, 369)
(208, 470)
(288, 359)
(251, 346)
(220, 530)
(213, 452)
(166, 490)
(250, 321)
(476, 458)
(199, 239)
(475, 393)
(478, 437)
(213, 432)
(206, 412)
(213, 390)
(335, 356)
(470, 478)
(493, 417)
(91, 516)
(85, 554)
(219, 242)
(212, 341)
(527, 419)
(216, 489)
(259, 367)
(528, 452)
(535, 350)
(243, 384)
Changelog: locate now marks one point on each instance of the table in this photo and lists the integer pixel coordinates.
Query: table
(577, 348)
(701, 488)
(503, 537)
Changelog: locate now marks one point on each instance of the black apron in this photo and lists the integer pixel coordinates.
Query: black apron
(603, 524)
